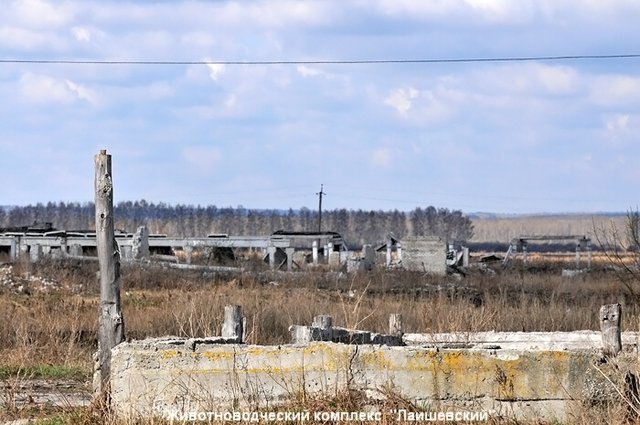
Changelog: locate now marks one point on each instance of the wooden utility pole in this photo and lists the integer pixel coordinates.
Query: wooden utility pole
(111, 322)
(320, 194)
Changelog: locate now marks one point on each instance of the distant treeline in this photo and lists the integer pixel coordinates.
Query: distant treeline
(594, 226)
(356, 226)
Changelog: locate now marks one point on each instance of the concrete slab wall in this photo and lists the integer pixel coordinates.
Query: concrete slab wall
(425, 254)
(531, 341)
(156, 376)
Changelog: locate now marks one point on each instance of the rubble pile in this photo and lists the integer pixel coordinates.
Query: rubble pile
(25, 283)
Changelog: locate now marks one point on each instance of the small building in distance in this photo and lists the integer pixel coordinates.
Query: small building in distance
(425, 254)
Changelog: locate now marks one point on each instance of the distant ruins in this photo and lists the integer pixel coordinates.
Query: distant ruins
(281, 251)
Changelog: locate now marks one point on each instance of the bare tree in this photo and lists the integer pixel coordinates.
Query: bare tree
(621, 246)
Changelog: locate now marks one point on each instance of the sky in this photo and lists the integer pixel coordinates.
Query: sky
(491, 136)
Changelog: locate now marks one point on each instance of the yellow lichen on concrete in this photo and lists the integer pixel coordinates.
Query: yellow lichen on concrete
(169, 354)
(510, 377)
(257, 350)
(275, 361)
(420, 360)
(217, 355)
(330, 356)
(225, 372)
(377, 359)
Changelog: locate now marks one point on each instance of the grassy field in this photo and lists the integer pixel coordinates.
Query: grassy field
(49, 331)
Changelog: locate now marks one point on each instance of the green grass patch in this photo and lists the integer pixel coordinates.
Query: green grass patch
(44, 372)
(56, 420)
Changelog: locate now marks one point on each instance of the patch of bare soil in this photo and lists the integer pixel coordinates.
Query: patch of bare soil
(20, 398)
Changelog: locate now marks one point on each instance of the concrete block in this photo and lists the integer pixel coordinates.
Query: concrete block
(126, 252)
(369, 256)
(425, 254)
(532, 341)
(354, 265)
(140, 244)
(232, 327)
(156, 376)
(334, 259)
(75, 250)
(35, 253)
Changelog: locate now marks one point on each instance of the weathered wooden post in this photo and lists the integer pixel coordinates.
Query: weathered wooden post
(396, 327)
(610, 318)
(232, 327)
(322, 328)
(322, 321)
(111, 322)
(300, 334)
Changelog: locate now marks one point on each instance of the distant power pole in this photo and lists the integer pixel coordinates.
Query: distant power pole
(320, 194)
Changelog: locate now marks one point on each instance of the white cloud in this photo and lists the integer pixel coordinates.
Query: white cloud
(81, 34)
(159, 90)
(436, 105)
(414, 8)
(556, 79)
(497, 111)
(535, 79)
(509, 12)
(82, 92)
(204, 158)
(426, 106)
(579, 164)
(307, 71)
(527, 93)
(16, 38)
(615, 90)
(229, 106)
(198, 39)
(382, 157)
(498, 10)
(224, 16)
(43, 89)
(618, 123)
(38, 14)
(277, 14)
(215, 70)
(620, 130)
(88, 34)
(402, 99)
(472, 11)
(231, 101)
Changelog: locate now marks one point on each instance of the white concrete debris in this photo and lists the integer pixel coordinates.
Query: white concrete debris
(25, 283)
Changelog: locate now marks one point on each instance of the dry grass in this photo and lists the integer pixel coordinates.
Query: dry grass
(59, 329)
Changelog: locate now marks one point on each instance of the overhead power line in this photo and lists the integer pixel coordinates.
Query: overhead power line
(321, 62)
